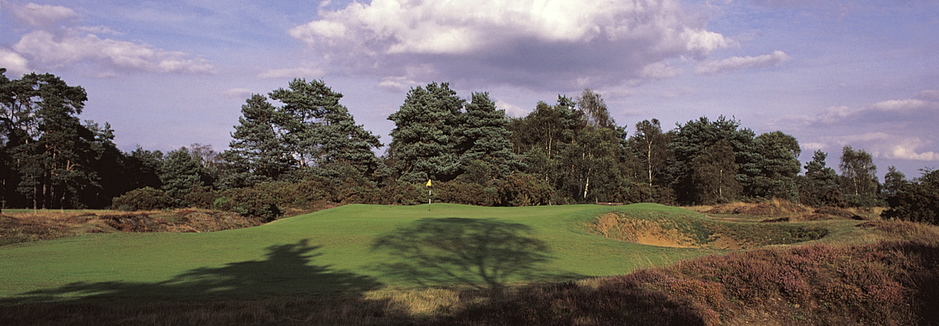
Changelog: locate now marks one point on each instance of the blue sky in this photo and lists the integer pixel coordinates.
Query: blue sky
(831, 73)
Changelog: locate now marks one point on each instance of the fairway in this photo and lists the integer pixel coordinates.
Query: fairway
(349, 249)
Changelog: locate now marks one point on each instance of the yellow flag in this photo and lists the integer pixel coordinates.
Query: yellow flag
(429, 183)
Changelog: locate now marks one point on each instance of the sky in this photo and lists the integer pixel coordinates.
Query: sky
(831, 73)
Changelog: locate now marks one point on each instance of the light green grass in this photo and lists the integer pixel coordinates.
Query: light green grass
(326, 251)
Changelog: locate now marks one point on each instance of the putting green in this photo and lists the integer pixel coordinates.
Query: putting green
(349, 249)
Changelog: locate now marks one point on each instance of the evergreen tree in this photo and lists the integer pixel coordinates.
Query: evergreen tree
(426, 135)
(693, 137)
(321, 131)
(257, 152)
(819, 186)
(46, 143)
(310, 134)
(486, 139)
(775, 166)
(180, 173)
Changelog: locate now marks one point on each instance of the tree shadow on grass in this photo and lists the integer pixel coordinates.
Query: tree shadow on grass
(286, 270)
(482, 253)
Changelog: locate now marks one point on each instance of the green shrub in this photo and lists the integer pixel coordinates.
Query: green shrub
(142, 199)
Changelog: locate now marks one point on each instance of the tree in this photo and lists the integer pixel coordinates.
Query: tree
(180, 173)
(859, 175)
(715, 174)
(776, 165)
(45, 142)
(692, 138)
(311, 134)
(916, 201)
(595, 110)
(425, 137)
(257, 152)
(321, 131)
(650, 145)
(893, 181)
(819, 186)
(485, 139)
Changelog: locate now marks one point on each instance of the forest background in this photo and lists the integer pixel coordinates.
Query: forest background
(299, 147)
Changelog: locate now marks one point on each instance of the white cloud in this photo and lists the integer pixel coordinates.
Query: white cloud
(41, 16)
(528, 42)
(905, 105)
(660, 70)
(397, 84)
(238, 93)
(54, 40)
(292, 73)
(888, 146)
(738, 63)
(15, 63)
(73, 47)
(931, 94)
(510, 109)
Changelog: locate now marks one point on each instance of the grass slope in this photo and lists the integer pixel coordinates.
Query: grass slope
(330, 251)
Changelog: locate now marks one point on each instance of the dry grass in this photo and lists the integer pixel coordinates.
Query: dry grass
(50, 224)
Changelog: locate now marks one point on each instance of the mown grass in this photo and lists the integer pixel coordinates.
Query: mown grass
(336, 241)
(332, 267)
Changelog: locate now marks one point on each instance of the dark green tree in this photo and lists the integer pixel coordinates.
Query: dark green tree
(916, 201)
(776, 165)
(486, 144)
(321, 131)
(819, 186)
(692, 138)
(426, 135)
(715, 174)
(47, 145)
(257, 152)
(180, 173)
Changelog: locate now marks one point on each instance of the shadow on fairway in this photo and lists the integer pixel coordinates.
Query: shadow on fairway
(482, 253)
(286, 270)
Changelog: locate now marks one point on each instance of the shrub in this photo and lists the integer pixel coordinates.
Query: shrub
(526, 190)
(142, 199)
(456, 192)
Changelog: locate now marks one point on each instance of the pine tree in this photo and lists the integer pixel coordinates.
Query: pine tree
(180, 173)
(820, 183)
(486, 139)
(257, 152)
(426, 135)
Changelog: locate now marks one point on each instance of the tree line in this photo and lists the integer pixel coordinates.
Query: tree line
(299, 145)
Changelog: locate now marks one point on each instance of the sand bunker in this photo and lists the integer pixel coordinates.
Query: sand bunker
(700, 233)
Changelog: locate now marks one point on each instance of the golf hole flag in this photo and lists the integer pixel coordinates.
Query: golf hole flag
(429, 183)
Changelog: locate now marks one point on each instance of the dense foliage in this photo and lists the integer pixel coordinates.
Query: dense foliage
(916, 201)
(568, 152)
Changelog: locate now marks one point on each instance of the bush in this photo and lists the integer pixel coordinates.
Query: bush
(456, 192)
(142, 199)
(526, 190)
(253, 202)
